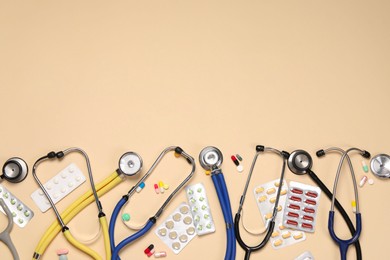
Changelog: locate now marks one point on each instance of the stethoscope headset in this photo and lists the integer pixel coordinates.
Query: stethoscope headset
(271, 223)
(300, 163)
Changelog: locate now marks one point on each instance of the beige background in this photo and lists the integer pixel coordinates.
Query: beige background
(143, 75)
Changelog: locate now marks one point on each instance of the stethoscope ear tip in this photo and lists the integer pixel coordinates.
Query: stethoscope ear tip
(366, 154)
(320, 153)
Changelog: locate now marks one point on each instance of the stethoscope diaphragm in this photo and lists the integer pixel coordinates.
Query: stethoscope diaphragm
(15, 170)
(210, 158)
(380, 165)
(130, 163)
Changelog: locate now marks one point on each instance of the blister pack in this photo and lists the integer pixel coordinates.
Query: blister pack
(178, 229)
(200, 209)
(305, 256)
(301, 206)
(59, 186)
(265, 196)
(20, 212)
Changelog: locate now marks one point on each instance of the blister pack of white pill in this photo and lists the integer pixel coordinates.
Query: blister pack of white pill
(200, 209)
(265, 196)
(301, 206)
(178, 229)
(305, 256)
(59, 186)
(20, 212)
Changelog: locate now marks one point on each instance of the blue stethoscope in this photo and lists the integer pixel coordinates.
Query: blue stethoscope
(151, 221)
(210, 159)
(344, 243)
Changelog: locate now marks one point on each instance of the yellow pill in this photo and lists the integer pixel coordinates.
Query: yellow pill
(272, 200)
(283, 192)
(281, 227)
(278, 242)
(286, 235)
(268, 216)
(276, 184)
(259, 190)
(271, 191)
(298, 235)
(262, 198)
(279, 208)
(207, 172)
(275, 234)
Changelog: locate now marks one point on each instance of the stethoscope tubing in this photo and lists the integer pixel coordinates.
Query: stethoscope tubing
(114, 215)
(132, 238)
(5, 234)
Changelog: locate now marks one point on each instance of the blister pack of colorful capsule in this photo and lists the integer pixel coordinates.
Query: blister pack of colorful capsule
(265, 196)
(200, 209)
(20, 212)
(301, 206)
(178, 229)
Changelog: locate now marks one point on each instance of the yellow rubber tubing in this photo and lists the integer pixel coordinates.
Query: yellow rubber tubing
(106, 236)
(55, 225)
(80, 246)
(74, 209)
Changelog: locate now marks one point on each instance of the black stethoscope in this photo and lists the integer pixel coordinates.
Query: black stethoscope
(271, 224)
(14, 170)
(300, 163)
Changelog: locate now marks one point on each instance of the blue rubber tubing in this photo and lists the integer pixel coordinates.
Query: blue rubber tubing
(130, 239)
(114, 216)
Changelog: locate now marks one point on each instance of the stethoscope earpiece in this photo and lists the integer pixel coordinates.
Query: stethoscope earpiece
(15, 170)
(130, 163)
(299, 162)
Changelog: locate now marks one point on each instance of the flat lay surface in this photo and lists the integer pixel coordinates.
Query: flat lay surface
(144, 75)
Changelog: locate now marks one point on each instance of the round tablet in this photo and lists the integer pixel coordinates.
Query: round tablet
(240, 168)
(190, 230)
(162, 232)
(173, 235)
(187, 220)
(370, 181)
(169, 224)
(183, 238)
(177, 217)
(184, 210)
(176, 245)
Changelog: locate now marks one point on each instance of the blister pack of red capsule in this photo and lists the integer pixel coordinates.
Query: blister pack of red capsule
(265, 196)
(301, 206)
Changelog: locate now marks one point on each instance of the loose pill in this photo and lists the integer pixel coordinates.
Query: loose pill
(239, 157)
(370, 181)
(278, 242)
(271, 191)
(298, 235)
(286, 235)
(156, 188)
(363, 181)
(160, 254)
(234, 159)
(365, 167)
(140, 187)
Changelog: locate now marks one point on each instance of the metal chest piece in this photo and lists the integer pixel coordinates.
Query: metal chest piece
(380, 165)
(300, 162)
(210, 158)
(15, 170)
(130, 163)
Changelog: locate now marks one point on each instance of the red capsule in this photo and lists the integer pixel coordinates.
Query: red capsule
(309, 218)
(234, 159)
(293, 215)
(293, 206)
(309, 210)
(292, 222)
(311, 202)
(294, 198)
(304, 225)
(297, 191)
(311, 194)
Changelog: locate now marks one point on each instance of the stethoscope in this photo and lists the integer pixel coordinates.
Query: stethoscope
(344, 243)
(152, 220)
(64, 227)
(300, 163)
(5, 234)
(210, 159)
(271, 223)
(15, 170)
(380, 166)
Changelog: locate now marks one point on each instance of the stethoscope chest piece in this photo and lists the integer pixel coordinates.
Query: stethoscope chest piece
(300, 162)
(130, 163)
(15, 170)
(380, 165)
(210, 158)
